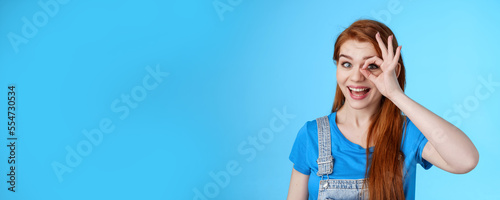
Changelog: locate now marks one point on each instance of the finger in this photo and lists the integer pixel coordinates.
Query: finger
(381, 45)
(398, 54)
(390, 48)
(368, 75)
(373, 60)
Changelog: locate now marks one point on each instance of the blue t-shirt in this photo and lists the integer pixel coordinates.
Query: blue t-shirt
(350, 158)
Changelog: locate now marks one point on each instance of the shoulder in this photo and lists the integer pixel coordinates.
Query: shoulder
(312, 125)
(310, 128)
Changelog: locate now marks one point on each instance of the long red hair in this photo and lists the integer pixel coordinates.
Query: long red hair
(384, 171)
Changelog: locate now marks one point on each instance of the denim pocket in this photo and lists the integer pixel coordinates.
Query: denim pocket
(345, 189)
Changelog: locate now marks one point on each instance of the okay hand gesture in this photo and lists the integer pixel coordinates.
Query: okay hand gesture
(386, 82)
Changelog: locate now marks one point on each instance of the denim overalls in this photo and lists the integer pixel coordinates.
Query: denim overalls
(329, 189)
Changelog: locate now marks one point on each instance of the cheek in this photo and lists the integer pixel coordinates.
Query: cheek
(375, 91)
(341, 76)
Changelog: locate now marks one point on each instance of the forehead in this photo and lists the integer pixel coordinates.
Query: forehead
(357, 49)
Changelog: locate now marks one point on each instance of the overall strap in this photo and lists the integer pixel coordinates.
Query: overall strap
(325, 160)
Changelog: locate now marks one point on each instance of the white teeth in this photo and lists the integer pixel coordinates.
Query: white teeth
(358, 89)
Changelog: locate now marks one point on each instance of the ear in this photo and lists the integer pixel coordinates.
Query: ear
(398, 70)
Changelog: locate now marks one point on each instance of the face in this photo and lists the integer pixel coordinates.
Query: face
(360, 93)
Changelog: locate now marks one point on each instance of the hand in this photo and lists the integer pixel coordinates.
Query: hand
(386, 81)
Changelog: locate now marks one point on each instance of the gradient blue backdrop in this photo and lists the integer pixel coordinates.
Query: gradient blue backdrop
(231, 68)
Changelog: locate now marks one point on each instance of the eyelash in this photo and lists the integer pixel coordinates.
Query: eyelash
(343, 64)
(371, 66)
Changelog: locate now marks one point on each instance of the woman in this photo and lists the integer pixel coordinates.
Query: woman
(368, 147)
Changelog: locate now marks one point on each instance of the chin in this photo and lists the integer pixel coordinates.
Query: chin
(358, 105)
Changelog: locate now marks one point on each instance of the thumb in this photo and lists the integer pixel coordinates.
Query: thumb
(368, 74)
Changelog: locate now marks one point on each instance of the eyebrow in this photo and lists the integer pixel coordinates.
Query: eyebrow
(349, 57)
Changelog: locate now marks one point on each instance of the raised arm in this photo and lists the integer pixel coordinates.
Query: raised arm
(448, 147)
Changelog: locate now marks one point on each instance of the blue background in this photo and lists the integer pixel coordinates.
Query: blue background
(229, 73)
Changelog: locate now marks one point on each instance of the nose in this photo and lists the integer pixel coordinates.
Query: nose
(357, 75)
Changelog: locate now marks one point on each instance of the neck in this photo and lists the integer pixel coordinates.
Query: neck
(355, 117)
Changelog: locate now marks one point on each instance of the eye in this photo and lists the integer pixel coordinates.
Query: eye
(372, 66)
(346, 64)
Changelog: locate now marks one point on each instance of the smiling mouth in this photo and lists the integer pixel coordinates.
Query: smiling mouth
(358, 91)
